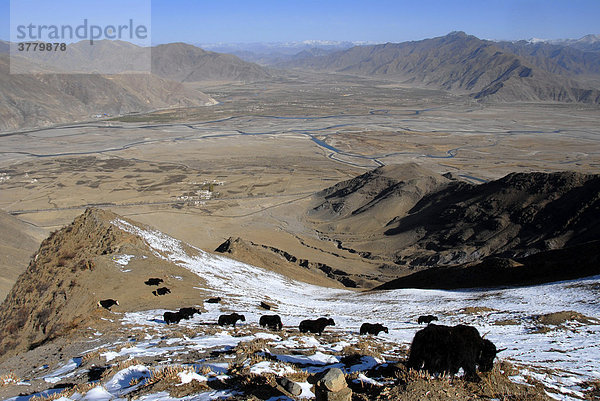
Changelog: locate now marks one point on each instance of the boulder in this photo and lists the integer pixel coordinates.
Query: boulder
(344, 394)
(332, 386)
(290, 386)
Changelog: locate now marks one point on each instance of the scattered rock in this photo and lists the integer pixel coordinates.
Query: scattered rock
(332, 386)
(333, 380)
(213, 300)
(290, 386)
(342, 395)
(225, 247)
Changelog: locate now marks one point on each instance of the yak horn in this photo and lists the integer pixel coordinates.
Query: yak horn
(501, 349)
(483, 336)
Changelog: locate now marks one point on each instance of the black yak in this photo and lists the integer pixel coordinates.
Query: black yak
(161, 291)
(368, 328)
(213, 300)
(445, 349)
(187, 313)
(315, 326)
(230, 319)
(107, 303)
(171, 317)
(153, 281)
(426, 319)
(182, 313)
(273, 322)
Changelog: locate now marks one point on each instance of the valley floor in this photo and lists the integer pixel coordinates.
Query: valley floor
(248, 166)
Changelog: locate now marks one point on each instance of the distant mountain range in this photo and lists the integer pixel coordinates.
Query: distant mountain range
(33, 100)
(50, 96)
(555, 58)
(271, 53)
(179, 62)
(564, 71)
(586, 43)
(463, 63)
(286, 48)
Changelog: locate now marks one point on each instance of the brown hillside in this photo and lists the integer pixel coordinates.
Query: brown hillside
(74, 268)
(456, 62)
(419, 221)
(186, 63)
(33, 100)
(18, 242)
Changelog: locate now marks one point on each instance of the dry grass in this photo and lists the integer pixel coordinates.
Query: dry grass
(252, 346)
(7, 379)
(365, 347)
(134, 381)
(120, 366)
(169, 373)
(495, 384)
(507, 322)
(558, 318)
(477, 309)
(298, 376)
(92, 355)
(257, 357)
(205, 370)
(80, 388)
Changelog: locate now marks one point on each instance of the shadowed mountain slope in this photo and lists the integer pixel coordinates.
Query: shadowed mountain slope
(419, 220)
(543, 267)
(557, 59)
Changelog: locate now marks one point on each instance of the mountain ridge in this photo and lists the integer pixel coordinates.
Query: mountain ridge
(455, 62)
(73, 269)
(187, 63)
(416, 220)
(43, 99)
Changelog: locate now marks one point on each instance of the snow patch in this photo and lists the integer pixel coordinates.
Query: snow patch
(187, 377)
(244, 286)
(271, 367)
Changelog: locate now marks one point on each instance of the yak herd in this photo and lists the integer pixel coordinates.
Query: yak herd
(436, 348)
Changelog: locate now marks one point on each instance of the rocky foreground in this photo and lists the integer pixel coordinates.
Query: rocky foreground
(202, 362)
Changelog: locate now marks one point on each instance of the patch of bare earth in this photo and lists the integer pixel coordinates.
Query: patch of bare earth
(558, 318)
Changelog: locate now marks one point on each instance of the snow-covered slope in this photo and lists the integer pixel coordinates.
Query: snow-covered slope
(564, 356)
(568, 354)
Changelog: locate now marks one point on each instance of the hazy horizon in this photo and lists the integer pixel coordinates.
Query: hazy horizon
(237, 22)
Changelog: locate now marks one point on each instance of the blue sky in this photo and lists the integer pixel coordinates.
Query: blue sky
(374, 21)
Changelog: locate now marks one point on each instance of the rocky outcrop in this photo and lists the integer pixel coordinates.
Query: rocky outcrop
(248, 251)
(332, 386)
